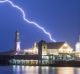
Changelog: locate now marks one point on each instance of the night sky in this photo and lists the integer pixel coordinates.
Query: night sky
(60, 17)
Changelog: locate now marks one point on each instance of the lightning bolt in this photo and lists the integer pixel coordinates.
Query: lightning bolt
(26, 20)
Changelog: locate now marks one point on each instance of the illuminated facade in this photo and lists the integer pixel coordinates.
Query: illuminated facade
(33, 50)
(53, 48)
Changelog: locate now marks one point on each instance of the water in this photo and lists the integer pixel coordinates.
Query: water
(38, 70)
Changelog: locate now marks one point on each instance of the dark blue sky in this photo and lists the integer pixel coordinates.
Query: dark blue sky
(60, 17)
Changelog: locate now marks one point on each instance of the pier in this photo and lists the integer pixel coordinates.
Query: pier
(37, 60)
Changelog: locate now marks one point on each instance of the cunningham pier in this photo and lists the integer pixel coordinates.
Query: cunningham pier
(42, 54)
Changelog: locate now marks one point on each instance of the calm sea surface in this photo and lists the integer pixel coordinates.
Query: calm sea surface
(38, 70)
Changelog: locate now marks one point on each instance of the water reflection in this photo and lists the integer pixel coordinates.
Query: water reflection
(77, 70)
(45, 70)
(25, 69)
(65, 70)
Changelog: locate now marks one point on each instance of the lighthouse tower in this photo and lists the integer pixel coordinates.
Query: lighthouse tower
(77, 47)
(17, 47)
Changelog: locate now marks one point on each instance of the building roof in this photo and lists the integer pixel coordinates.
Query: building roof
(54, 45)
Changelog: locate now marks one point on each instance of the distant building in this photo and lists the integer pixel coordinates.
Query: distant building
(77, 46)
(53, 48)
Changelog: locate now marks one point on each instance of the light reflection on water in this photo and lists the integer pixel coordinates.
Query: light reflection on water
(66, 70)
(38, 70)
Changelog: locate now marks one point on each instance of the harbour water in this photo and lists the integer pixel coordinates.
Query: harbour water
(38, 70)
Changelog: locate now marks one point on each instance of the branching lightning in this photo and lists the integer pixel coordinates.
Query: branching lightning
(26, 20)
